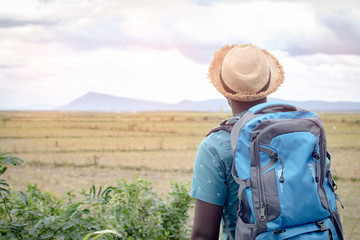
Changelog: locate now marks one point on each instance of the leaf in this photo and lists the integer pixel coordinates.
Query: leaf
(3, 154)
(98, 195)
(107, 191)
(93, 191)
(2, 182)
(12, 160)
(46, 236)
(3, 170)
(23, 197)
(48, 220)
(4, 190)
(37, 225)
(69, 225)
(118, 216)
(70, 210)
(7, 160)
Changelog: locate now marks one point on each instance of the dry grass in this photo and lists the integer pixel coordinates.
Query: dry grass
(70, 150)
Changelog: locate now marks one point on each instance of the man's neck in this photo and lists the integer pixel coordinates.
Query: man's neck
(239, 107)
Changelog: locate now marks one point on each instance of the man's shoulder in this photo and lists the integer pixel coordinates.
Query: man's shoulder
(218, 136)
(217, 142)
(222, 133)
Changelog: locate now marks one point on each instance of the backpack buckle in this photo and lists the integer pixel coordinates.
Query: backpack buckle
(320, 224)
(274, 155)
(316, 155)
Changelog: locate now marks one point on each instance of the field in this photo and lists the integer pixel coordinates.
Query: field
(71, 150)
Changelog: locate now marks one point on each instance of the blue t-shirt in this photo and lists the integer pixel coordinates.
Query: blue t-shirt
(212, 180)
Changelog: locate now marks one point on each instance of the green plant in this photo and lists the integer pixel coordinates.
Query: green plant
(5, 211)
(130, 210)
(141, 214)
(6, 160)
(174, 213)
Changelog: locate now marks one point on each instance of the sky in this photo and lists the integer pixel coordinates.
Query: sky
(54, 51)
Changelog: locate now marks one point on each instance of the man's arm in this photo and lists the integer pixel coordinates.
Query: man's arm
(206, 221)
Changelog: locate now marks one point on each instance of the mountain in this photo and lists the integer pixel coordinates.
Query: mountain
(323, 106)
(103, 102)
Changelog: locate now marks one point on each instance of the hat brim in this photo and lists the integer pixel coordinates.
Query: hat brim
(276, 79)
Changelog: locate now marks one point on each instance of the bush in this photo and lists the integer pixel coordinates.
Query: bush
(130, 210)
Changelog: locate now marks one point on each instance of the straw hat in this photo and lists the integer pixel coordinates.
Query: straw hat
(245, 72)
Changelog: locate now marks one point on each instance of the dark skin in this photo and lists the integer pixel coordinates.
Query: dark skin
(207, 217)
(206, 221)
(239, 107)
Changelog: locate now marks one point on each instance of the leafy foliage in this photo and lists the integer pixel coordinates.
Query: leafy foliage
(6, 160)
(129, 210)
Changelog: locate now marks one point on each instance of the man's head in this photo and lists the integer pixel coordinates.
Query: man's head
(245, 73)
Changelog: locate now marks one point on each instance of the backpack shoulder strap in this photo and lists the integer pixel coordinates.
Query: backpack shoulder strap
(227, 227)
(270, 107)
(226, 125)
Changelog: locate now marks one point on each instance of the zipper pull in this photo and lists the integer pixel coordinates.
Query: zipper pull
(281, 178)
(262, 212)
(316, 156)
(274, 156)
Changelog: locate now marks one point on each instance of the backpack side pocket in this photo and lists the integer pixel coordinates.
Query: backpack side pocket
(245, 228)
(271, 195)
(245, 231)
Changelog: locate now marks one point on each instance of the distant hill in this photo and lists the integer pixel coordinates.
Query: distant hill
(324, 106)
(103, 102)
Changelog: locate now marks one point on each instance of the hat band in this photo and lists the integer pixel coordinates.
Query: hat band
(266, 86)
(225, 86)
(267, 83)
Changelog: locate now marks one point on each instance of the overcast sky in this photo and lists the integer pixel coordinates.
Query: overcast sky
(53, 51)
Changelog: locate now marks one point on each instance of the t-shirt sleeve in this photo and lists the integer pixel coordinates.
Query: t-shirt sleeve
(209, 181)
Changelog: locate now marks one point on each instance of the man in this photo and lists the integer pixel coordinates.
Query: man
(245, 75)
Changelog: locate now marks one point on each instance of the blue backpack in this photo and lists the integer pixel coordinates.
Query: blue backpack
(286, 188)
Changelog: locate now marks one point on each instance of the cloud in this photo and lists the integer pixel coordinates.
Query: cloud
(6, 66)
(320, 77)
(160, 49)
(196, 28)
(11, 23)
(345, 28)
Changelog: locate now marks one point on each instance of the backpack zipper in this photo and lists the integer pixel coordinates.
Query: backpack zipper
(262, 215)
